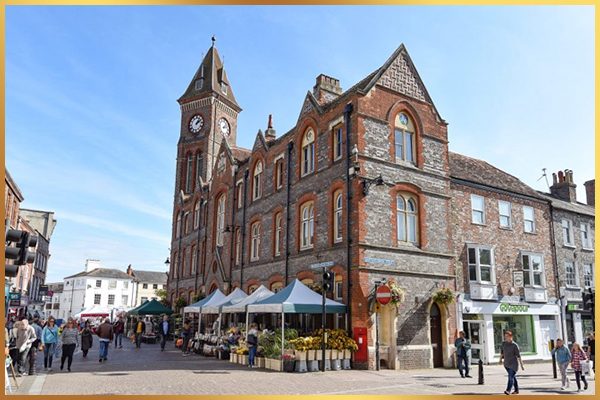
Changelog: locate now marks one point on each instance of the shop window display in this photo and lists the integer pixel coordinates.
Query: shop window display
(522, 329)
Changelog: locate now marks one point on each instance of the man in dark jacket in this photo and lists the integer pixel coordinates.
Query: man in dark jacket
(463, 354)
(164, 331)
(119, 328)
(105, 335)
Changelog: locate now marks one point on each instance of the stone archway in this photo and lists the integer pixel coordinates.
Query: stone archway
(442, 341)
(388, 318)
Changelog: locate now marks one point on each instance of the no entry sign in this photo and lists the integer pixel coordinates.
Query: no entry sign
(383, 294)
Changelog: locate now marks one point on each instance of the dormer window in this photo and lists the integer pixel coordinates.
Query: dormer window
(308, 153)
(224, 87)
(404, 139)
(199, 83)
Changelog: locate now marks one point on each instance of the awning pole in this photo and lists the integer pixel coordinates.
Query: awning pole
(282, 330)
(247, 316)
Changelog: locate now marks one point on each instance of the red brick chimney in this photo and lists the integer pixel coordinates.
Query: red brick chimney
(563, 186)
(129, 270)
(270, 133)
(326, 89)
(590, 192)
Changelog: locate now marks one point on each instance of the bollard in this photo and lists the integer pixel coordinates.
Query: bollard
(480, 381)
(551, 346)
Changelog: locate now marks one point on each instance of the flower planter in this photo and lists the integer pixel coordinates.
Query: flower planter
(300, 355)
(311, 355)
(328, 354)
(234, 358)
(260, 362)
(288, 365)
(275, 364)
(243, 360)
(231, 356)
(334, 354)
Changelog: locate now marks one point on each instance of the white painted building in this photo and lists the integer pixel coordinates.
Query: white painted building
(146, 284)
(96, 286)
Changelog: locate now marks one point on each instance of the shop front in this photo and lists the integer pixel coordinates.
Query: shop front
(532, 324)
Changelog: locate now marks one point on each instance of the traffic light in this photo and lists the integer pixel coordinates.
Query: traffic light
(328, 278)
(588, 300)
(20, 253)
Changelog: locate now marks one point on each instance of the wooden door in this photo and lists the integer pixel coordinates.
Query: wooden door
(435, 326)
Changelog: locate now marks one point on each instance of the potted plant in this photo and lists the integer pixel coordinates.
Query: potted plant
(443, 296)
(289, 362)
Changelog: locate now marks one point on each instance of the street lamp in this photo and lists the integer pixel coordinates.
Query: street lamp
(367, 182)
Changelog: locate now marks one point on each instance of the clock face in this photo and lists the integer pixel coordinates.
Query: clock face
(196, 123)
(224, 126)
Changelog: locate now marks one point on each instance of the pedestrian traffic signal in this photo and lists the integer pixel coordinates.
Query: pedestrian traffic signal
(328, 278)
(20, 252)
(588, 300)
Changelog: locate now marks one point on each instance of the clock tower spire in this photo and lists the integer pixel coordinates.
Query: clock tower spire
(209, 112)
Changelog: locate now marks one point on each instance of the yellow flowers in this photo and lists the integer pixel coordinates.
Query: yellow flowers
(336, 339)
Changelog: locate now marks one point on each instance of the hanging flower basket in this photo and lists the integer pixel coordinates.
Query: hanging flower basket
(444, 296)
(397, 292)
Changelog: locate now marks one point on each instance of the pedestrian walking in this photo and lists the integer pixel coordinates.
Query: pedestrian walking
(164, 332)
(25, 336)
(70, 341)
(87, 339)
(119, 328)
(49, 340)
(140, 328)
(511, 355)
(186, 333)
(463, 354)
(36, 345)
(577, 357)
(592, 350)
(563, 358)
(252, 342)
(105, 335)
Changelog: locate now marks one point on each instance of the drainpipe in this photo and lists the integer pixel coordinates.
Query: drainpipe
(287, 211)
(204, 205)
(246, 172)
(201, 199)
(347, 112)
(563, 317)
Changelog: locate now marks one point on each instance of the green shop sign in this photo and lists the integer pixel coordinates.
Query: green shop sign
(514, 308)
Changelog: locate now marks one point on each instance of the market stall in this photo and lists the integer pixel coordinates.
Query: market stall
(215, 308)
(295, 298)
(152, 308)
(95, 311)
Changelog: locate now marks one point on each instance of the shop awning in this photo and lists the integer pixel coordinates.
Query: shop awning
(214, 308)
(296, 298)
(95, 311)
(197, 306)
(259, 294)
(152, 307)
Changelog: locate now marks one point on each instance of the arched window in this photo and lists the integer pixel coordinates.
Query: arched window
(308, 152)
(276, 286)
(337, 216)
(199, 162)
(406, 218)
(255, 246)
(257, 188)
(188, 174)
(307, 214)
(186, 222)
(277, 235)
(197, 214)
(404, 138)
(220, 219)
(194, 260)
(238, 247)
(252, 288)
(178, 225)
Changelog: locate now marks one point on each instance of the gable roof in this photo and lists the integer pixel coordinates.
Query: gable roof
(212, 71)
(577, 208)
(473, 170)
(102, 273)
(240, 153)
(150, 276)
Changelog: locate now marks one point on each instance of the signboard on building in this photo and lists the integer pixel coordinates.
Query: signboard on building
(376, 260)
(518, 279)
(14, 296)
(573, 307)
(514, 308)
(43, 291)
(324, 264)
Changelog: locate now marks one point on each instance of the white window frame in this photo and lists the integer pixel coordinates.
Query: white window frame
(255, 247)
(307, 225)
(188, 174)
(98, 283)
(111, 296)
(501, 215)
(124, 299)
(256, 182)
(526, 219)
(278, 229)
(339, 289)
(337, 216)
(199, 162)
(477, 210)
(238, 247)
(112, 284)
(586, 238)
(404, 134)
(278, 173)
(531, 272)
(337, 142)
(568, 282)
(240, 194)
(197, 214)
(478, 264)
(194, 262)
(567, 232)
(125, 284)
(307, 164)
(588, 268)
(178, 225)
(404, 216)
(221, 219)
(99, 297)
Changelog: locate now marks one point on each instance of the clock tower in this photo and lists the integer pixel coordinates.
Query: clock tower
(209, 113)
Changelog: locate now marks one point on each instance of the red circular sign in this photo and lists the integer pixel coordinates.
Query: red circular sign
(383, 295)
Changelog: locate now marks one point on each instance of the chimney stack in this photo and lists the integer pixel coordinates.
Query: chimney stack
(326, 89)
(129, 270)
(270, 133)
(563, 186)
(92, 265)
(590, 192)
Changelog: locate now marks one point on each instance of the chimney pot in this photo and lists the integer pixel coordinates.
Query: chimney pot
(590, 192)
(564, 189)
(561, 177)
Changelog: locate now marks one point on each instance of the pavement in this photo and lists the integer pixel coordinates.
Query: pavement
(150, 371)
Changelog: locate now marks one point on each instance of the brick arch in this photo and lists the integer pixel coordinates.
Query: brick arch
(222, 190)
(406, 107)
(259, 157)
(305, 124)
(274, 212)
(421, 222)
(214, 285)
(276, 277)
(306, 274)
(251, 282)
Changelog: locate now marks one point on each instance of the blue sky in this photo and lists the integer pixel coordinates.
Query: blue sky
(92, 120)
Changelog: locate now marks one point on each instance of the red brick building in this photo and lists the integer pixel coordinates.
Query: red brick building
(361, 181)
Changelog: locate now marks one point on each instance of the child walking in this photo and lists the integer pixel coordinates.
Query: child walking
(577, 356)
